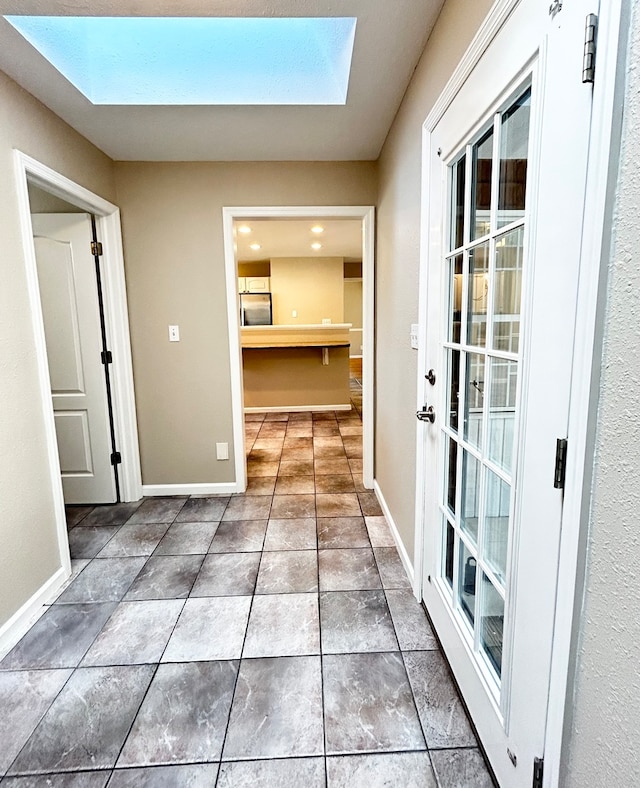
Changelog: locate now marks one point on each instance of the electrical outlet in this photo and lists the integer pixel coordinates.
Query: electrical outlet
(294, 313)
(222, 451)
(326, 321)
(174, 333)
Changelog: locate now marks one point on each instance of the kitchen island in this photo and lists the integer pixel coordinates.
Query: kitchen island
(292, 367)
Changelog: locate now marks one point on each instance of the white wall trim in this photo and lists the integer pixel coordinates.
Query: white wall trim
(366, 214)
(297, 408)
(116, 319)
(497, 16)
(585, 382)
(402, 551)
(24, 618)
(212, 488)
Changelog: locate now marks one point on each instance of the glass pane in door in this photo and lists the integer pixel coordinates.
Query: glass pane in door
(470, 495)
(477, 291)
(455, 298)
(491, 624)
(453, 388)
(474, 399)
(507, 290)
(514, 147)
(467, 582)
(502, 411)
(497, 503)
(482, 166)
(457, 203)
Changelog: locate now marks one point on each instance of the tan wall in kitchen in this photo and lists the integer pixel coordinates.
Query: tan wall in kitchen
(312, 286)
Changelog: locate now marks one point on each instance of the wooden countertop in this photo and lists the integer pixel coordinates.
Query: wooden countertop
(329, 335)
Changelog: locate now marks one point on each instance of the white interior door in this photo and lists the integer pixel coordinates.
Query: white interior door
(506, 198)
(70, 308)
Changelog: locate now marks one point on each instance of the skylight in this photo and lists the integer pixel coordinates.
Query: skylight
(189, 60)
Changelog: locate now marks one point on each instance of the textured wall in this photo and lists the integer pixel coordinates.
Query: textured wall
(398, 260)
(603, 742)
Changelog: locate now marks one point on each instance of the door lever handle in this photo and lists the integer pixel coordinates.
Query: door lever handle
(427, 414)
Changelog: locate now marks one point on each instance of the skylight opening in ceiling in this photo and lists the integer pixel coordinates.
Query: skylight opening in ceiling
(203, 60)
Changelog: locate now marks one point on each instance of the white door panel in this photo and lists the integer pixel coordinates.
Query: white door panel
(70, 308)
(501, 295)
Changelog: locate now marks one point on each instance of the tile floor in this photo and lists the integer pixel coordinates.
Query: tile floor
(264, 639)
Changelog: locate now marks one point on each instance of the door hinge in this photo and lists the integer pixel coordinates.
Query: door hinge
(96, 248)
(561, 464)
(589, 59)
(555, 8)
(116, 458)
(106, 357)
(538, 771)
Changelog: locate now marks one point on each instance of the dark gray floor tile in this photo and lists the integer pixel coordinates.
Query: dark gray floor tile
(209, 628)
(198, 510)
(288, 571)
(166, 577)
(412, 626)
(60, 638)
(356, 621)
(277, 709)
(369, 504)
(442, 715)
(24, 698)
(88, 722)
(348, 570)
(390, 770)
(134, 539)
(60, 780)
(291, 534)
(379, 531)
(390, 566)
(227, 574)
(454, 768)
(342, 532)
(239, 536)
(75, 514)
(281, 772)
(87, 541)
(187, 539)
(103, 580)
(158, 510)
(183, 716)
(253, 507)
(368, 705)
(195, 775)
(284, 506)
(283, 625)
(136, 633)
(114, 514)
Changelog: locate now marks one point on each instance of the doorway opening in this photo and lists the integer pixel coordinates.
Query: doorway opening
(288, 336)
(52, 209)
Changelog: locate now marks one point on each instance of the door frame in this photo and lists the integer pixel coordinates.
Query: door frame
(603, 148)
(117, 326)
(366, 214)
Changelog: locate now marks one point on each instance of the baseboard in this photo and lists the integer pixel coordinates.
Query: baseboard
(297, 408)
(21, 621)
(213, 488)
(402, 552)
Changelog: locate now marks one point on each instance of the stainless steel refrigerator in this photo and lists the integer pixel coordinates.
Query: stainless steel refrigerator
(255, 309)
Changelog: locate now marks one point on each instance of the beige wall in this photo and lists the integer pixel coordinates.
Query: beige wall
(353, 302)
(311, 286)
(603, 712)
(172, 225)
(28, 545)
(397, 263)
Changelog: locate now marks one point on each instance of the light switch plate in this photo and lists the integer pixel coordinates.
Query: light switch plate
(174, 333)
(414, 335)
(222, 451)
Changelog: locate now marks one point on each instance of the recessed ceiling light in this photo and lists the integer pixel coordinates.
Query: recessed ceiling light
(212, 60)
(244, 229)
(317, 229)
(255, 247)
(316, 246)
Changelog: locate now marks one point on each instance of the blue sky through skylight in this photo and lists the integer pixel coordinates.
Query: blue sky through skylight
(187, 60)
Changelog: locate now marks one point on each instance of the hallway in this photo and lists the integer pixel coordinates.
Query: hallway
(262, 639)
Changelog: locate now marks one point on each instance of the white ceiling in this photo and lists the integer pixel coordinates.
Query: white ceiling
(293, 238)
(390, 36)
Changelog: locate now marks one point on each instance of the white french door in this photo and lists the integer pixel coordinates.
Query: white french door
(507, 166)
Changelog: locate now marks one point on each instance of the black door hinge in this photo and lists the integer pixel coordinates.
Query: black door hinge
(561, 464)
(107, 357)
(96, 248)
(538, 771)
(116, 458)
(589, 59)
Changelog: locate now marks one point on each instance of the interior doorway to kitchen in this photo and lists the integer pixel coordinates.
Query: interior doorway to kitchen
(276, 309)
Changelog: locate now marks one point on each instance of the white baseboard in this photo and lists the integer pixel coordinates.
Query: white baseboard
(402, 551)
(23, 619)
(297, 408)
(213, 488)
